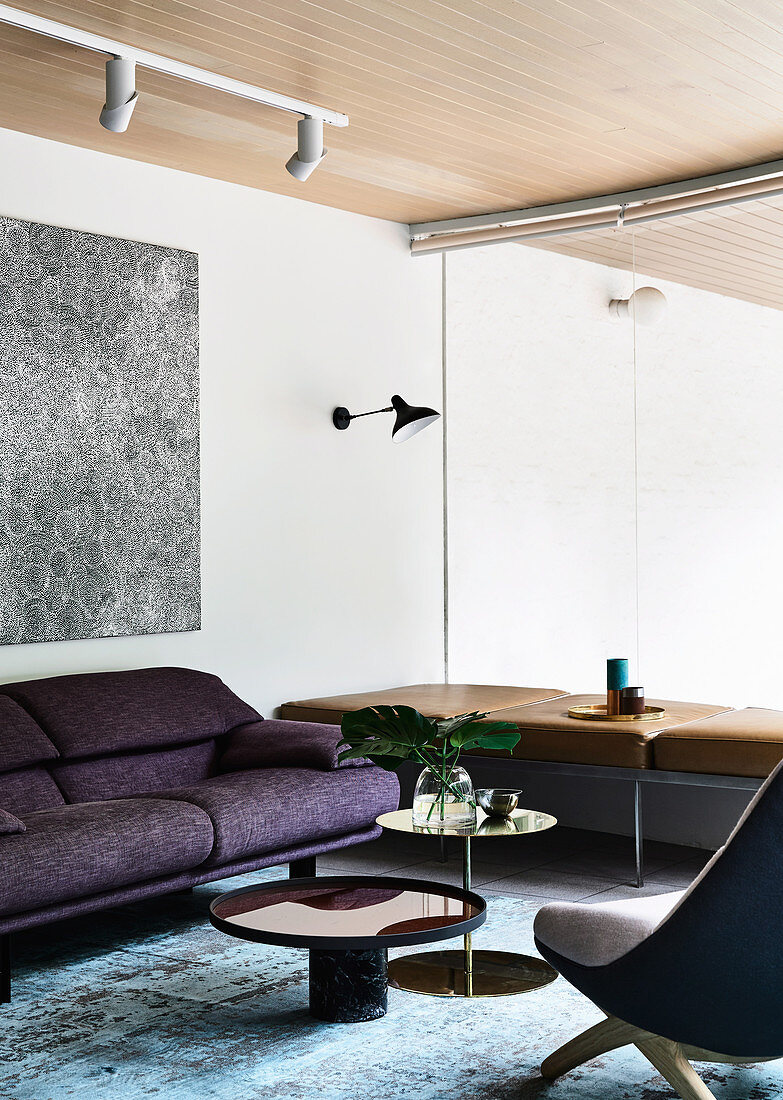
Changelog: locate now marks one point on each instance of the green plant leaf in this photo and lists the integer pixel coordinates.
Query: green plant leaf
(486, 735)
(447, 725)
(384, 731)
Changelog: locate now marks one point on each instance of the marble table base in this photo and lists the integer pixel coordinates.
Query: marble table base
(347, 987)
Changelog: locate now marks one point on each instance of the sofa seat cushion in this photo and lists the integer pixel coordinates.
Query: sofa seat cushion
(743, 742)
(22, 741)
(262, 811)
(598, 934)
(75, 851)
(275, 743)
(103, 712)
(549, 734)
(431, 700)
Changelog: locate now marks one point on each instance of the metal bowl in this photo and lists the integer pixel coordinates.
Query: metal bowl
(497, 801)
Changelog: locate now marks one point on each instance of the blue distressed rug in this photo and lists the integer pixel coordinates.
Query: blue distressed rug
(151, 1001)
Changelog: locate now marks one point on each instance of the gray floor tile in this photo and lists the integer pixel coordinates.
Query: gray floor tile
(361, 863)
(628, 893)
(546, 883)
(615, 866)
(451, 872)
(680, 875)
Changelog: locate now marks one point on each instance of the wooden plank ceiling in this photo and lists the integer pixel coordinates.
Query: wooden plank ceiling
(457, 106)
(737, 251)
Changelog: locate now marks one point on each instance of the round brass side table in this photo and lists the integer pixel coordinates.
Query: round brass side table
(470, 973)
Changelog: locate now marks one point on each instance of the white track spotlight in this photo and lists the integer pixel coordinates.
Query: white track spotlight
(310, 151)
(646, 305)
(121, 94)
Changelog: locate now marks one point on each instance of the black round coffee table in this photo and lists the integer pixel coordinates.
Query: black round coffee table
(348, 923)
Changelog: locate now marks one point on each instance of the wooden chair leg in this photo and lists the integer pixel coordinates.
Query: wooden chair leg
(610, 1034)
(670, 1061)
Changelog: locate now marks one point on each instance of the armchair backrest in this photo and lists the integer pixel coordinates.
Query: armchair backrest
(711, 974)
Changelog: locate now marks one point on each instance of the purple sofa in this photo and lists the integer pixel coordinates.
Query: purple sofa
(116, 786)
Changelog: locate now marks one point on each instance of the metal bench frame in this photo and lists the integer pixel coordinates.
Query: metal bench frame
(638, 777)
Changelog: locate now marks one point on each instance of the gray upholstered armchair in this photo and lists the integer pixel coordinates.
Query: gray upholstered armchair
(690, 975)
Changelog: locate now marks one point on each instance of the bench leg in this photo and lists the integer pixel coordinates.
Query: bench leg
(5, 969)
(302, 868)
(638, 832)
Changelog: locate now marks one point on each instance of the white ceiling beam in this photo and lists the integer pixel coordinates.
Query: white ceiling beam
(770, 170)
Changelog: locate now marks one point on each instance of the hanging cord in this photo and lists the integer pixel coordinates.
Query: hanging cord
(444, 330)
(635, 458)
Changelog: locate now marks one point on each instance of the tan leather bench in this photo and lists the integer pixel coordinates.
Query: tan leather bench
(743, 742)
(431, 700)
(549, 733)
(695, 744)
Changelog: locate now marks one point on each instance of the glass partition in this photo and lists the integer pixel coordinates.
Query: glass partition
(614, 483)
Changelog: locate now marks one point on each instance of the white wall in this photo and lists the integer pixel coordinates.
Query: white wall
(321, 551)
(711, 500)
(541, 481)
(541, 498)
(541, 490)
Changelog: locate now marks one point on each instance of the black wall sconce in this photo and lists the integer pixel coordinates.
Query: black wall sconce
(409, 420)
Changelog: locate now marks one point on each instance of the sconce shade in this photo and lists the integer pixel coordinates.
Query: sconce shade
(646, 305)
(410, 419)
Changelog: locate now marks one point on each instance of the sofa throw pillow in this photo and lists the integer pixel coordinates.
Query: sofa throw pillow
(10, 824)
(276, 743)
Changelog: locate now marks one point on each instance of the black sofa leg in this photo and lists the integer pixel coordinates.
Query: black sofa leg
(302, 868)
(5, 969)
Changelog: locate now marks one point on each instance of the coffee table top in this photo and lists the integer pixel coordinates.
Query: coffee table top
(519, 823)
(348, 912)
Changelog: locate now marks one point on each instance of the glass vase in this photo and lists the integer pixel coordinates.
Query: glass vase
(450, 805)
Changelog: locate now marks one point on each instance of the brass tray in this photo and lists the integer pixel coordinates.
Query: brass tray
(597, 713)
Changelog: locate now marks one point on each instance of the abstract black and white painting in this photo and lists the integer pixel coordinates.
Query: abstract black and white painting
(99, 436)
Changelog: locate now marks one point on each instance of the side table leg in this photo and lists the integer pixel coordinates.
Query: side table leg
(347, 987)
(468, 939)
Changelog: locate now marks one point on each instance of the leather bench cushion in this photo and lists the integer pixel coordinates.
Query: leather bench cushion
(22, 741)
(743, 742)
(431, 700)
(76, 851)
(274, 808)
(549, 734)
(102, 712)
(129, 774)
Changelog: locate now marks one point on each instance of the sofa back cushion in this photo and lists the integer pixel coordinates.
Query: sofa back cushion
(129, 774)
(27, 790)
(22, 741)
(111, 712)
(25, 785)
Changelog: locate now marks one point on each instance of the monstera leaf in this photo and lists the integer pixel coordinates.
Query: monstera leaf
(385, 735)
(388, 735)
(486, 735)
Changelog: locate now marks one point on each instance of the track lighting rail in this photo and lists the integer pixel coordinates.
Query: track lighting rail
(97, 43)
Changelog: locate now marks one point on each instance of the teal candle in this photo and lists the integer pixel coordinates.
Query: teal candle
(616, 673)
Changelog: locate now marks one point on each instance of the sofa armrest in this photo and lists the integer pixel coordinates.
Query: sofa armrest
(281, 744)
